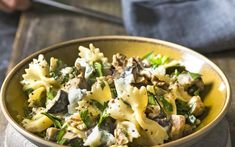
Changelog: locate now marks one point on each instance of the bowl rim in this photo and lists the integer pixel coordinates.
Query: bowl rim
(182, 140)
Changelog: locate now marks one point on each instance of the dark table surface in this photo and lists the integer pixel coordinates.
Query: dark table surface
(43, 26)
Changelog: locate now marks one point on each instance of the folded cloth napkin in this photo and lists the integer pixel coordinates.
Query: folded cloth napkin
(203, 25)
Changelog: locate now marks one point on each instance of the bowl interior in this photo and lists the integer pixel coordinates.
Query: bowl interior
(214, 97)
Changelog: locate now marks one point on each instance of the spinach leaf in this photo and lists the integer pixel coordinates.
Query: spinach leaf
(184, 109)
(78, 142)
(114, 92)
(28, 91)
(98, 67)
(56, 121)
(151, 100)
(27, 112)
(60, 134)
(158, 60)
(103, 116)
(86, 118)
(166, 105)
(175, 69)
(51, 94)
(99, 105)
(194, 90)
(194, 75)
(62, 141)
(102, 85)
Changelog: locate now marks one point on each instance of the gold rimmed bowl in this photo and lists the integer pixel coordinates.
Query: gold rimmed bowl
(216, 97)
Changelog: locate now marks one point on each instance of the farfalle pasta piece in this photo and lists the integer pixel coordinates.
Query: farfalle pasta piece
(91, 55)
(37, 75)
(100, 91)
(178, 92)
(37, 97)
(38, 122)
(118, 110)
(138, 100)
(125, 132)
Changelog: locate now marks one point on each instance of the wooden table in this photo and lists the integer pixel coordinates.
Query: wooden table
(41, 27)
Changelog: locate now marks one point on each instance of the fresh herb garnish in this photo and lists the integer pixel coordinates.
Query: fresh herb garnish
(98, 67)
(56, 121)
(86, 118)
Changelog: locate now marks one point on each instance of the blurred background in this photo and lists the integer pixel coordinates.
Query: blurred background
(27, 28)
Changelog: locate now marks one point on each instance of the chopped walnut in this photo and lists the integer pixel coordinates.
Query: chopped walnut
(152, 111)
(159, 83)
(178, 125)
(76, 122)
(119, 62)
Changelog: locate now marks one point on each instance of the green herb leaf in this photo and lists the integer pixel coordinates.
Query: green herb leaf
(182, 107)
(175, 69)
(148, 55)
(65, 79)
(61, 133)
(194, 75)
(103, 116)
(102, 84)
(158, 60)
(76, 143)
(166, 105)
(151, 100)
(98, 67)
(194, 90)
(51, 94)
(98, 105)
(114, 92)
(28, 91)
(62, 141)
(56, 121)
(85, 117)
(27, 112)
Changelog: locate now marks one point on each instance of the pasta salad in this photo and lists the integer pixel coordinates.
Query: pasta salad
(130, 101)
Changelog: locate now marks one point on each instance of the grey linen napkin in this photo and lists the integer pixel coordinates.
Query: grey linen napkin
(203, 25)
